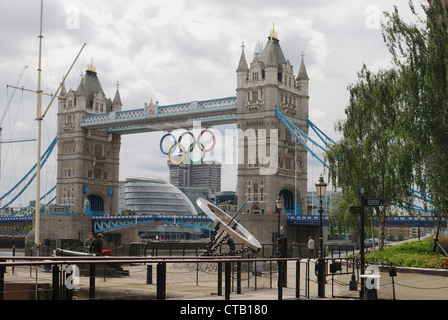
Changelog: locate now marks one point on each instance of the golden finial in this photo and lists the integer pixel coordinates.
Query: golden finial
(273, 35)
(90, 66)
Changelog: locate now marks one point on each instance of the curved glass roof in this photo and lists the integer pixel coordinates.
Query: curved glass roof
(153, 196)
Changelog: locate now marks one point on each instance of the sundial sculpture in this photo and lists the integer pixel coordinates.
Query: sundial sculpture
(230, 229)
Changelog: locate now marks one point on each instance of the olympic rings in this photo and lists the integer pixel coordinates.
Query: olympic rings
(182, 151)
(181, 147)
(213, 144)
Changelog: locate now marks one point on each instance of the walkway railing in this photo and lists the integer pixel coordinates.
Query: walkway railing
(60, 266)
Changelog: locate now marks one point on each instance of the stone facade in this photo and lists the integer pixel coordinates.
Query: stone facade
(272, 163)
(88, 160)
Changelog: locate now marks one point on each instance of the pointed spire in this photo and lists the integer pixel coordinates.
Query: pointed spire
(81, 91)
(117, 98)
(63, 90)
(242, 66)
(303, 75)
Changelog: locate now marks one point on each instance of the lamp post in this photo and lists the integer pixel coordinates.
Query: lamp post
(419, 217)
(321, 188)
(278, 211)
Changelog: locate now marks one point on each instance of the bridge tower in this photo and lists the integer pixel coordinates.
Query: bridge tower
(280, 169)
(88, 159)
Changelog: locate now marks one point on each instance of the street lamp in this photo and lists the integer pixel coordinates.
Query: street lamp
(321, 188)
(278, 210)
(419, 214)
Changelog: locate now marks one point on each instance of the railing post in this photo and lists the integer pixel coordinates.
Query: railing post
(280, 280)
(238, 277)
(298, 279)
(228, 266)
(2, 281)
(69, 288)
(92, 281)
(55, 274)
(149, 274)
(219, 279)
(161, 281)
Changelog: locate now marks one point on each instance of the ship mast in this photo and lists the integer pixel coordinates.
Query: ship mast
(39, 134)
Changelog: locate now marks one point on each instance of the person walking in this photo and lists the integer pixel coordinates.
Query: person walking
(310, 246)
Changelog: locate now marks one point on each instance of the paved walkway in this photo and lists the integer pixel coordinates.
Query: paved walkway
(185, 282)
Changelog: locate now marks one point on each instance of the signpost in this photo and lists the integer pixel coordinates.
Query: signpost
(360, 210)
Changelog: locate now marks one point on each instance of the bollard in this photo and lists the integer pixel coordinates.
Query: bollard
(161, 281)
(280, 280)
(55, 277)
(238, 277)
(149, 274)
(298, 279)
(219, 279)
(371, 285)
(92, 282)
(227, 267)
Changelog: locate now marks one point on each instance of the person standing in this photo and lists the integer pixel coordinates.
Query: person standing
(88, 242)
(97, 245)
(310, 246)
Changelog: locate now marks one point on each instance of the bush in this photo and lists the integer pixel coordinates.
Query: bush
(412, 254)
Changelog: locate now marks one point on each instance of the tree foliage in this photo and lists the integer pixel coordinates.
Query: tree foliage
(395, 137)
(420, 54)
(370, 152)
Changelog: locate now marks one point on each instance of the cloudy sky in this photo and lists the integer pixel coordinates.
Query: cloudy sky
(175, 51)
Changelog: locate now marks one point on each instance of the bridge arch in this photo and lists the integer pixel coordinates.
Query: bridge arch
(289, 202)
(94, 205)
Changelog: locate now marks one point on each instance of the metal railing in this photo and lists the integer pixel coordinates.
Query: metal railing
(59, 289)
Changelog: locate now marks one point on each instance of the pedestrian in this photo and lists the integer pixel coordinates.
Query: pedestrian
(97, 245)
(231, 244)
(88, 242)
(310, 246)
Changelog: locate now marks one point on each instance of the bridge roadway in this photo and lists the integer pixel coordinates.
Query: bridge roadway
(165, 118)
(107, 223)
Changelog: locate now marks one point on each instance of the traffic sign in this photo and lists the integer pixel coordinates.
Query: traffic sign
(355, 210)
(375, 202)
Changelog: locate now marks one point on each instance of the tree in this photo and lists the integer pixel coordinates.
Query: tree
(370, 154)
(420, 54)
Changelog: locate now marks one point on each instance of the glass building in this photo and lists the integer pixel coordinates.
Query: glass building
(313, 202)
(153, 196)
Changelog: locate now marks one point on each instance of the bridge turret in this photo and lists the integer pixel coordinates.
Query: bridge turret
(88, 160)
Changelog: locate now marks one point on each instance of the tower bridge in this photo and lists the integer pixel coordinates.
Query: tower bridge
(268, 92)
(90, 126)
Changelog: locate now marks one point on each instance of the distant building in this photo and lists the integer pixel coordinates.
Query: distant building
(313, 203)
(201, 175)
(193, 194)
(153, 196)
(227, 201)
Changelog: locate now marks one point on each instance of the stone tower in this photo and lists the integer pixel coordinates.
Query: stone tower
(88, 160)
(271, 162)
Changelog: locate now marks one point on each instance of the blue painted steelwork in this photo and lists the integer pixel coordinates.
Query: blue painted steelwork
(319, 132)
(209, 112)
(106, 223)
(44, 159)
(293, 129)
(41, 198)
(396, 221)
